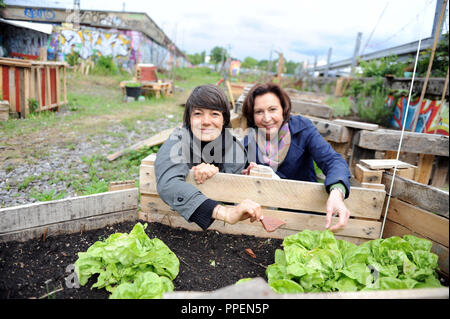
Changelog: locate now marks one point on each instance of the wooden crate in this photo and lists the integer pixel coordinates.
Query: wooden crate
(420, 210)
(275, 196)
(23, 80)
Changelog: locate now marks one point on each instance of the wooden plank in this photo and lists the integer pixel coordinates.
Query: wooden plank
(419, 220)
(331, 131)
(392, 228)
(357, 125)
(389, 140)
(58, 86)
(291, 194)
(15, 62)
(65, 84)
(366, 175)
(425, 167)
(27, 91)
(296, 222)
(2, 94)
(71, 226)
(440, 173)
(39, 88)
(12, 89)
(156, 139)
(21, 92)
(48, 86)
(38, 214)
(374, 186)
(313, 109)
(119, 185)
(408, 173)
(426, 197)
(384, 163)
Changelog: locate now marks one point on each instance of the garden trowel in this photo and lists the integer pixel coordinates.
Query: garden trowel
(271, 223)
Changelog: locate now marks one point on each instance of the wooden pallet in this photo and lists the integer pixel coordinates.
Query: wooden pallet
(276, 196)
(22, 81)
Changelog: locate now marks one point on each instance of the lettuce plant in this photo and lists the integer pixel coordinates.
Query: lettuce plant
(315, 261)
(129, 265)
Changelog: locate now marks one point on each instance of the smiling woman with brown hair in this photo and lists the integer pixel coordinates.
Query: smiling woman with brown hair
(291, 145)
(204, 145)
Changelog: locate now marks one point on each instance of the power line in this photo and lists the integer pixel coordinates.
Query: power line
(370, 36)
(414, 19)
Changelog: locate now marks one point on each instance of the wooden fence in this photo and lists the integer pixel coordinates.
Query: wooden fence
(25, 81)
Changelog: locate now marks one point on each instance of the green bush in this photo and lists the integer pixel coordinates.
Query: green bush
(105, 65)
(383, 66)
(72, 58)
(371, 105)
(440, 61)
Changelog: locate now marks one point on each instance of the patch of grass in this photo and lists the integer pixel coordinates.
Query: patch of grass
(26, 182)
(341, 106)
(47, 195)
(192, 77)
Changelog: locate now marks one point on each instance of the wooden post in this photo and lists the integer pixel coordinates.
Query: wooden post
(58, 87)
(425, 167)
(440, 173)
(230, 92)
(26, 89)
(39, 88)
(65, 84)
(12, 89)
(48, 85)
(430, 64)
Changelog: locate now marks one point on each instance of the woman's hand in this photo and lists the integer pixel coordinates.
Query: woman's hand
(335, 205)
(204, 171)
(246, 209)
(247, 170)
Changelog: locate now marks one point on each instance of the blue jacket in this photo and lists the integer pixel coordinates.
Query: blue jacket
(307, 145)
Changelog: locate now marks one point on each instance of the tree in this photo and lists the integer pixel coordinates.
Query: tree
(249, 63)
(291, 66)
(217, 53)
(197, 58)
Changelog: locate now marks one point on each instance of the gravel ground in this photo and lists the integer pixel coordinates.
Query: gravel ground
(68, 160)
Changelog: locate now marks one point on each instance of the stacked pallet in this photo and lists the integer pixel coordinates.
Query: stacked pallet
(32, 85)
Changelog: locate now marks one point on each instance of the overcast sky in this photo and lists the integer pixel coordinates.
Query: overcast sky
(299, 29)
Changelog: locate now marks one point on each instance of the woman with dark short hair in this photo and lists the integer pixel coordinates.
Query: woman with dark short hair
(291, 145)
(206, 146)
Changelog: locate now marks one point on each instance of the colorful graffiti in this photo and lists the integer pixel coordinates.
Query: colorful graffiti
(39, 13)
(433, 117)
(25, 44)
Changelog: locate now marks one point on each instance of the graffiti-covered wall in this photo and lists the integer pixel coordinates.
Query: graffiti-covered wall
(24, 43)
(432, 116)
(127, 47)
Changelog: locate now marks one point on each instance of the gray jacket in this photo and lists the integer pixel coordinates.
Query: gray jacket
(179, 154)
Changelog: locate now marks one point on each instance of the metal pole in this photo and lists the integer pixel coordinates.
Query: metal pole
(356, 52)
(328, 62)
(436, 27)
(430, 64)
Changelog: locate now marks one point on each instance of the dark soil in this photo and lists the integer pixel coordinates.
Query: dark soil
(34, 268)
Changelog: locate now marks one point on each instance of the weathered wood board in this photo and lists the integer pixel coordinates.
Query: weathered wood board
(423, 196)
(289, 194)
(25, 221)
(389, 140)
